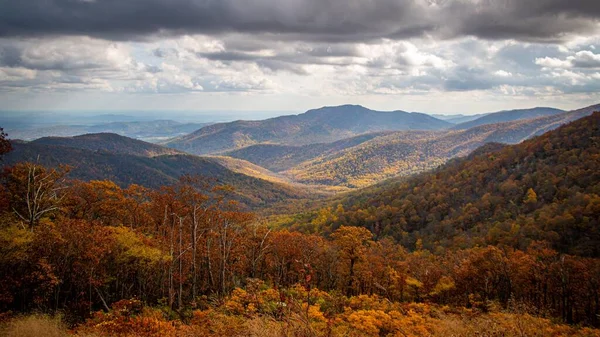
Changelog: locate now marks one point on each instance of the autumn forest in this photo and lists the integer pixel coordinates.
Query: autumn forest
(502, 242)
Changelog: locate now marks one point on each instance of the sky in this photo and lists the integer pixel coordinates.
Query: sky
(436, 56)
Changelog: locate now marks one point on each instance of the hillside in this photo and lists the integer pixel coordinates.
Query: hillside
(544, 189)
(282, 157)
(152, 172)
(108, 142)
(410, 152)
(322, 125)
(249, 169)
(507, 116)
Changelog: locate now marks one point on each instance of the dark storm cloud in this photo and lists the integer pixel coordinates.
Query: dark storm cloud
(311, 20)
(534, 20)
(227, 56)
(10, 56)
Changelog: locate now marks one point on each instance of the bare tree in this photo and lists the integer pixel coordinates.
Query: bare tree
(35, 191)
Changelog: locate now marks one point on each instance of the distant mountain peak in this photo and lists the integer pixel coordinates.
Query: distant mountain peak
(322, 125)
(108, 142)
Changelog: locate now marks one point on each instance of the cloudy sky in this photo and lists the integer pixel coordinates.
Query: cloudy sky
(442, 56)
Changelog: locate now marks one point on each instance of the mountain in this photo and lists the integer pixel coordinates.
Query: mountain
(156, 130)
(322, 125)
(249, 169)
(148, 130)
(125, 169)
(457, 119)
(279, 158)
(108, 142)
(400, 153)
(507, 116)
(373, 159)
(544, 189)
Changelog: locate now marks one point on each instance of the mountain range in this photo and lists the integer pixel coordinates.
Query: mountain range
(108, 142)
(289, 157)
(363, 160)
(154, 131)
(136, 162)
(322, 125)
(507, 116)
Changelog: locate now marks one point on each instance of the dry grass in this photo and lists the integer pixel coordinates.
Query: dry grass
(34, 326)
(506, 325)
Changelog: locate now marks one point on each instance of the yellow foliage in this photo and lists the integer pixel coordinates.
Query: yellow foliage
(369, 322)
(134, 248)
(413, 282)
(444, 284)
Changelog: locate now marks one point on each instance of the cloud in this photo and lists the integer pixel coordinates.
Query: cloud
(503, 73)
(307, 20)
(551, 62)
(581, 59)
(586, 59)
(236, 63)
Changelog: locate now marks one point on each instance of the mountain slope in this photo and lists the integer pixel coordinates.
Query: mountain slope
(282, 157)
(507, 116)
(409, 152)
(126, 169)
(108, 142)
(327, 124)
(249, 169)
(544, 189)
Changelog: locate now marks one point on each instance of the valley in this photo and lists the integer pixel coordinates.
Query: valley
(299, 168)
(318, 169)
(404, 221)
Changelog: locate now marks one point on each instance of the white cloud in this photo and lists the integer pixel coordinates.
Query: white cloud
(586, 59)
(503, 73)
(16, 74)
(255, 66)
(551, 62)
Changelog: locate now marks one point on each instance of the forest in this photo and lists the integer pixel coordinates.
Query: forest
(544, 189)
(500, 243)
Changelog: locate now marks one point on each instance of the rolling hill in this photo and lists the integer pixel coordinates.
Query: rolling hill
(322, 125)
(373, 159)
(282, 157)
(108, 142)
(125, 169)
(544, 189)
(508, 116)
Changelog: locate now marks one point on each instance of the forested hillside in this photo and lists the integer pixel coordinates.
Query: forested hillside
(108, 142)
(504, 242)
(507, 116)
(126, 169)
(409, 152)
(545, 189)
(283, 157)
(364, 160)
